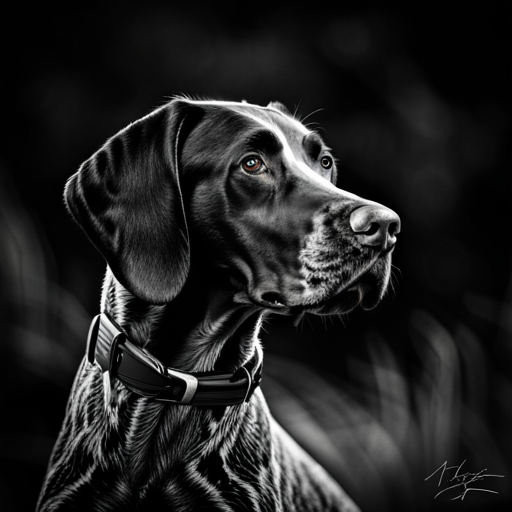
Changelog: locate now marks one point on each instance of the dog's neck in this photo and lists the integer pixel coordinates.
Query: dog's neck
(193, 332)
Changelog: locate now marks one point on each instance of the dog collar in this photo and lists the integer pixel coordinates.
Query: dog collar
(109, 345)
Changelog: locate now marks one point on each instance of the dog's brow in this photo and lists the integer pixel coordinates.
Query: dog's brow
(289, 154)
(312, 144)
(265, 140)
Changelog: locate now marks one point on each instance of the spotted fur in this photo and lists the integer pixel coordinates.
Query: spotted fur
(332, 261)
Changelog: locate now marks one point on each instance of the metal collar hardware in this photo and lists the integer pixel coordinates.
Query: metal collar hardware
(109, 346)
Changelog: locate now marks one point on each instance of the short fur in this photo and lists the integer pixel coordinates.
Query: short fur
(200, 248)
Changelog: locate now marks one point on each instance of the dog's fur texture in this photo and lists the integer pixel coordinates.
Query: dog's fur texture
(211, 215)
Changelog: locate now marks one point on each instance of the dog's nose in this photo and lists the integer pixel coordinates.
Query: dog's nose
(375, 226)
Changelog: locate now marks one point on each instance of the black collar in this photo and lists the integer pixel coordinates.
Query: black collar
(145, 375)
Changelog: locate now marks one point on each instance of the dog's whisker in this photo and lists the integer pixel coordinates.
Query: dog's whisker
(396, 269)
(311, 114)
(295, 112)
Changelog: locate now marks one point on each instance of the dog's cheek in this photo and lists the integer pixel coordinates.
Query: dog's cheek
(246, 191)
(326, 262)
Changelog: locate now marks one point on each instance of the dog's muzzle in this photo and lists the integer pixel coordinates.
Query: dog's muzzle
(346, 258)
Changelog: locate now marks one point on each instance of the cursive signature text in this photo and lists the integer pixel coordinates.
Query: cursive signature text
(463, 482)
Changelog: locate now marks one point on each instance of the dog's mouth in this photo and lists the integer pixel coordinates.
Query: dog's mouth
(364, 287)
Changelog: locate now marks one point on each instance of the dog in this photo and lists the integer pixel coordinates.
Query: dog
(211, 215)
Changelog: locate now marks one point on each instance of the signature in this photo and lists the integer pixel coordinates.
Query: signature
(463, 482)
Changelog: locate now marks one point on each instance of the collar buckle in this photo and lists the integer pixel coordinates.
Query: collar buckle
(139, 371)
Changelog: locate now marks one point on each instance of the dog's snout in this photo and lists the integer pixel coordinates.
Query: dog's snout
(375, 226)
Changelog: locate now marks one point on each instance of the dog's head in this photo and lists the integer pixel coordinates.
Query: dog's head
(242, 191)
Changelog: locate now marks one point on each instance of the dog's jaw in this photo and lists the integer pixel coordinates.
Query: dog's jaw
(365, 287)
(335, 272)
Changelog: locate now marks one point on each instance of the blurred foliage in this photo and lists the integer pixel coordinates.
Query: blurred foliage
(414, 103)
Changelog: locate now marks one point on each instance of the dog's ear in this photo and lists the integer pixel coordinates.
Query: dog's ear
(279, 106)
(127, 198)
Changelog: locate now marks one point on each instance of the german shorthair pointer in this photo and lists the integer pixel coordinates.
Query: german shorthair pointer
(211, 216)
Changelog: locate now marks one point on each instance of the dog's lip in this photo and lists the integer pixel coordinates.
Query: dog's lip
(273, 304)
(278, 304)
(324, 304)
(354, 285)
(356, 277)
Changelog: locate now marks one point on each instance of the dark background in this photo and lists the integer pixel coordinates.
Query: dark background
(414, 103)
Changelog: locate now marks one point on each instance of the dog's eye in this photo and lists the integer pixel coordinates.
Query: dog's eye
(326, 162)
(253, 165)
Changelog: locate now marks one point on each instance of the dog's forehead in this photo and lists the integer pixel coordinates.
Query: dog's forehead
(273, 118)
(268, 117)
(291, 133)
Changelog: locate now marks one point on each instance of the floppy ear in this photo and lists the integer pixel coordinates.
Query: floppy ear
(127, 199)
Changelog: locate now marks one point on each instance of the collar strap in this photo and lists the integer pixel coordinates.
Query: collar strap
(109, 345)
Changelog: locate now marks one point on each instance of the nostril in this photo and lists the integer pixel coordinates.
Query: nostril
(373, 228)
(394, 228)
